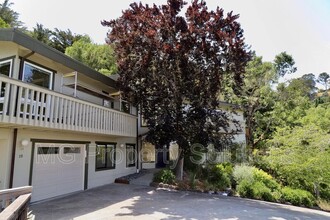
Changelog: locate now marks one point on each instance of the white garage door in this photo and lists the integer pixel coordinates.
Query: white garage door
(58, 169)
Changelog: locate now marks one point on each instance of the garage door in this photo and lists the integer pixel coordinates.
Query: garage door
(58, 169)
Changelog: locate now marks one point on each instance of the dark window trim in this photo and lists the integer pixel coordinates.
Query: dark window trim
(8, 58)
(59, 141)
(106, 155)
(102, 142)
(135, 154)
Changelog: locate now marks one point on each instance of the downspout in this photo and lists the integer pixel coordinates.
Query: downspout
(137, 140)
(12, 165)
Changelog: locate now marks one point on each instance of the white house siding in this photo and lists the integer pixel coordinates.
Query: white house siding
(95, 178)
(98, 178)
(8, 49)
(6, 137)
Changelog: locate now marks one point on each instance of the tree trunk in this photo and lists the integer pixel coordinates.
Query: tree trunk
(179, 169)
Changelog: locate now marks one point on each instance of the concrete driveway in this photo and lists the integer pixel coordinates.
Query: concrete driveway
(119, 201)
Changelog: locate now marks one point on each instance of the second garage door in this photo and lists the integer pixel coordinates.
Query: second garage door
(58, 169)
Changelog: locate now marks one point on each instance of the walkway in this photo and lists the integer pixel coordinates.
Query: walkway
(122, 201)
(145, 179)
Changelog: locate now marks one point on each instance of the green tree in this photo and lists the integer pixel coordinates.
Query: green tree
(324, 79)
(293, 100)
(175, 67)
(3, 24)
(318, 116)
(299, 157)
(42, 34)
(257, 99)
(99, 57)
(60, 39)
(9, 16)
(284, 64)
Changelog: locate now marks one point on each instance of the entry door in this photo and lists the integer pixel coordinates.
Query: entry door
(58, 169)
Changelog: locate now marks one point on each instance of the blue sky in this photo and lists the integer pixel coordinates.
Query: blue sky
(300, 27)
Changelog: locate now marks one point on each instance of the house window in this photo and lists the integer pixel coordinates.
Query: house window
(37, 75)
(105, 156)
(125, 107)
(130, 155)
(72, 150)
(5, 67)
(48, 150)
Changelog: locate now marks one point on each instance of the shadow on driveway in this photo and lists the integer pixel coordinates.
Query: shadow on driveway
(119, 201)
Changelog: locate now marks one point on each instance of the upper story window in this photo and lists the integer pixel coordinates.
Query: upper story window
(5, 67)
(37, 75)
(125, 107)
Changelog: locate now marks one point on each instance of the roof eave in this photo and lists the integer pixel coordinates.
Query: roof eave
(32, 44)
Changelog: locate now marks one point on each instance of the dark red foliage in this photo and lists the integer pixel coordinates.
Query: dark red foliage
(175, 67)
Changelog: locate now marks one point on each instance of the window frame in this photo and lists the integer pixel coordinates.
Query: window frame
(11, 61)
(135, 153)
(126, 107)
(50, 150)
(112, 152)
(144, 144)
(51, 76)
(143, 122)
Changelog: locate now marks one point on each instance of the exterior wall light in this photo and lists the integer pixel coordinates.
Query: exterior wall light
(24, 143)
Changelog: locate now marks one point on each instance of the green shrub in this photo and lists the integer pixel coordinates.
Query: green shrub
(244, 189)
(228, 168)
(255, 190)
(298, 197)
(218, 177)
(299, 156)
(265, 178)
(261, 191)
(164, 176)
(324, 191)
(277, 195)
(256, 184)
(243, 172)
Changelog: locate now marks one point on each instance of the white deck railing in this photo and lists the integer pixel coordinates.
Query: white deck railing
(14, 203)
(28, 105)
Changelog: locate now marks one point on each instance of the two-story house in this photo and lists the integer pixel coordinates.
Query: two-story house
(63, 127)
